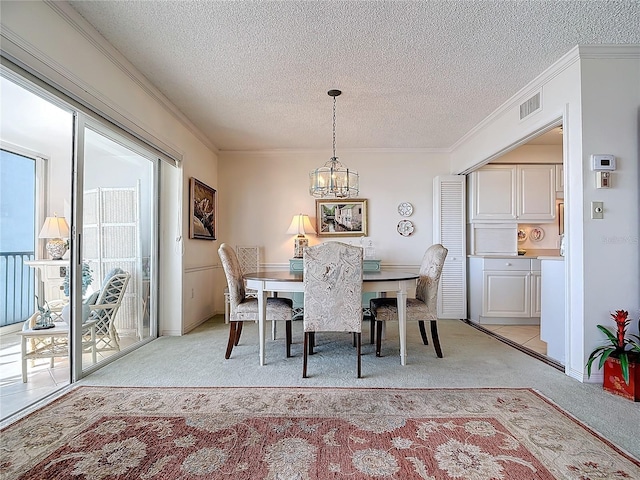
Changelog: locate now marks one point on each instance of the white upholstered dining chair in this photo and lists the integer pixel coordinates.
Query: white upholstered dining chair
(245, 308)
(332, 294)
(249, 259)
(422, 308)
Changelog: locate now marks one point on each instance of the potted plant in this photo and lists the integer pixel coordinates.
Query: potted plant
(620, 358)
(87, 279)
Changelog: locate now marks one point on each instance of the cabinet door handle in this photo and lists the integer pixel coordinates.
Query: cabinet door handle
(508, 264)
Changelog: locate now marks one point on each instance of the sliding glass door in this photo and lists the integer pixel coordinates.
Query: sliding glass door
(115, 212)
(59, 160)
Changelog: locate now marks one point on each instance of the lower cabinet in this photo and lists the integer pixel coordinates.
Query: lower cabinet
(536, 289)
(552, 322)
(504, 290)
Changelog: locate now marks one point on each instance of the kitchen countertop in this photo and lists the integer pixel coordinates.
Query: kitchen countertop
(541, 254)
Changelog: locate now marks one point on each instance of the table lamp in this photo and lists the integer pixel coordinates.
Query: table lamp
(55, 229)
(299, 226)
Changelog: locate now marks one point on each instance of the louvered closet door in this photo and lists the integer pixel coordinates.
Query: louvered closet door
(449, 230)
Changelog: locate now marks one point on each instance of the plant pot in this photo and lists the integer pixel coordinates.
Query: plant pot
(614, 381)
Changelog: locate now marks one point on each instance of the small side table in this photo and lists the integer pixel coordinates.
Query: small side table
(52, 273)
(52, 342)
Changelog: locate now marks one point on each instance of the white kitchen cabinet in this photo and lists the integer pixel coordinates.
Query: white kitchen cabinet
(559, 178)
(536, 189)
(552, 322)
(504, 290)
(536, 292)
(492, 193)
(520, 193)
(506, 294)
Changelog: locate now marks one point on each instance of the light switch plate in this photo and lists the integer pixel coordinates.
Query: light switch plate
(597, 210)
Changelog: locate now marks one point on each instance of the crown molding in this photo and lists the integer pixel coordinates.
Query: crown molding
(574, 55)
(609, 51)
(327, 153)
(531, 88)
(84, 28)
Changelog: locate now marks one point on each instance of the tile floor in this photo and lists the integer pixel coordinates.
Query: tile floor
(42, 379)
(526, 335)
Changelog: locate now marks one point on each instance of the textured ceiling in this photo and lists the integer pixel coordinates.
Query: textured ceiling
(418, 74)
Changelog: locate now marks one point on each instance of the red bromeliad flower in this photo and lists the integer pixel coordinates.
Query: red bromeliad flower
(617, 346)
(620, 317)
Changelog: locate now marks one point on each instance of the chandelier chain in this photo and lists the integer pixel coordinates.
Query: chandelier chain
(334, 179)
(334, 127)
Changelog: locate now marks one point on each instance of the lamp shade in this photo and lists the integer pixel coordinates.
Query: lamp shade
(300, 224)
(54, 227)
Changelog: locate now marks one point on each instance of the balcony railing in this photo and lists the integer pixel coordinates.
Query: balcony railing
(17, 287)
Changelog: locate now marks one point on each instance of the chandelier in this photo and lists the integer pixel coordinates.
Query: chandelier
(333, 179)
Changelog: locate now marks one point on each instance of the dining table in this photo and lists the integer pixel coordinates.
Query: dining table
(383, 282)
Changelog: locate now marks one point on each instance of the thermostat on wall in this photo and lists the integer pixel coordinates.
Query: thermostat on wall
(602, 162)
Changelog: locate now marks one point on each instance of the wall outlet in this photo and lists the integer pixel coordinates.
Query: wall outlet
(597, 210)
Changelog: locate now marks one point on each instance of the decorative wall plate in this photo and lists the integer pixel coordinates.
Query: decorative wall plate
(522, 235)
(405, 209)
(536, 234)
(405, 228)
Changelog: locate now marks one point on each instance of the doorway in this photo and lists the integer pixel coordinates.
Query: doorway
(116, 211)
(515, 236)
(112, 202)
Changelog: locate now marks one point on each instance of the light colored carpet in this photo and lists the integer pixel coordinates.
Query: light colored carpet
(471, 359)
(105, 433)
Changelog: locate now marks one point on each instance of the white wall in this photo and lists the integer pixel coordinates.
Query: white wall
(610, 119)
(81, 61)
(532, 154)
(599, 112)
(261, 191)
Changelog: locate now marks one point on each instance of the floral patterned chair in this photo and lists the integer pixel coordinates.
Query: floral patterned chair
(244, 308)
(422, 308)
(332, 293)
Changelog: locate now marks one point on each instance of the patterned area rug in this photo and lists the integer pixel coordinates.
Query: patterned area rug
(306, 433)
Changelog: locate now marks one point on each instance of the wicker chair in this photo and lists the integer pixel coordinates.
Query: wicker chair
(105, 309)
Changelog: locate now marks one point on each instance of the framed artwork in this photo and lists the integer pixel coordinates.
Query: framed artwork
(202, 210)
(341, 217)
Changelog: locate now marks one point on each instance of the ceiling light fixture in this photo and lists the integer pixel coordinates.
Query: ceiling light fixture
(333, 179)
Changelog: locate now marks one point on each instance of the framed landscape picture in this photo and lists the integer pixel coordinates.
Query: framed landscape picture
(341, 217)
(202, 210)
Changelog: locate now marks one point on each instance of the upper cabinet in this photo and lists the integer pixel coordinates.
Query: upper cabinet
(559, 178)
(517, 193)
